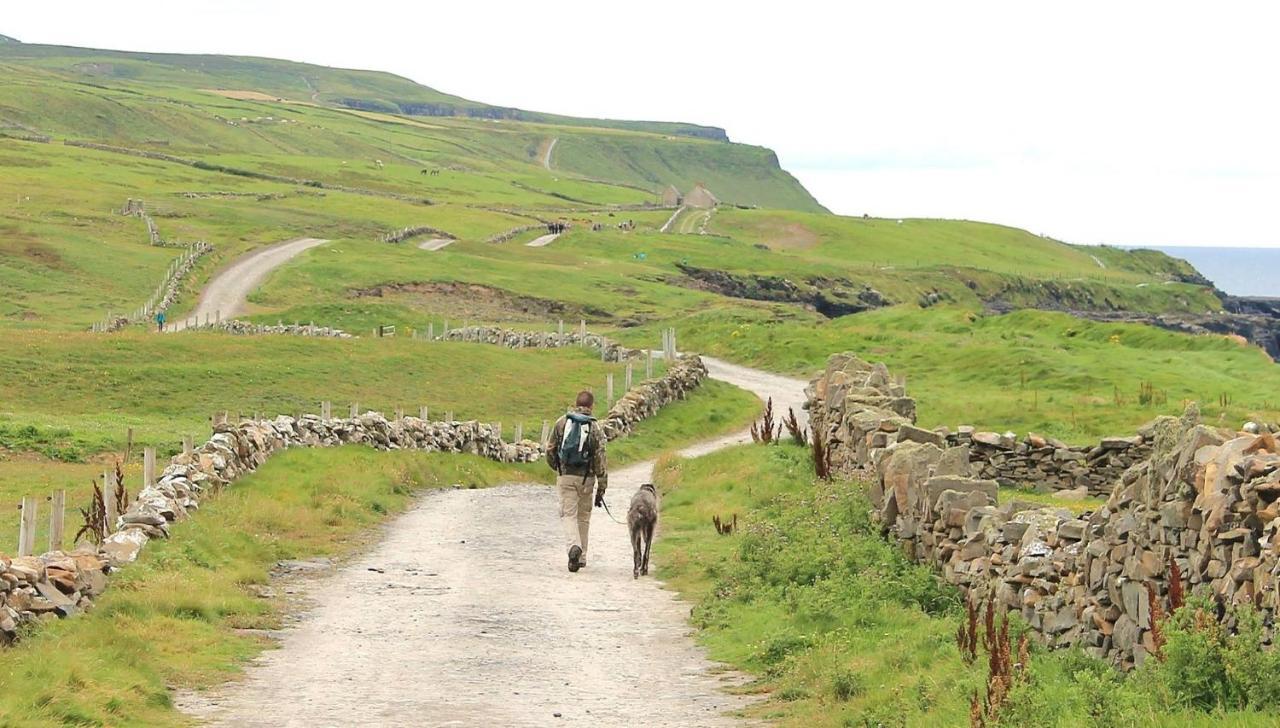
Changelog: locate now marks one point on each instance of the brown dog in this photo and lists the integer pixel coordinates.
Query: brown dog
(642, 518)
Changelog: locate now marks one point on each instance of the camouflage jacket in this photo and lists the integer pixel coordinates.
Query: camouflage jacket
(598, 464)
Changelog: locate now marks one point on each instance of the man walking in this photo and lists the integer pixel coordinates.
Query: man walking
(160, 321)
(576, 451)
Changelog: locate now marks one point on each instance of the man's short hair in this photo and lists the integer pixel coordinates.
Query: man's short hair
(585, 399)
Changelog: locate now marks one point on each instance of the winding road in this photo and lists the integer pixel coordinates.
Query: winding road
(464, 615)
(226, 294)
(546, 156)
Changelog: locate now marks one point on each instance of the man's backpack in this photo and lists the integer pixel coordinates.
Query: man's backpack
(574, 449)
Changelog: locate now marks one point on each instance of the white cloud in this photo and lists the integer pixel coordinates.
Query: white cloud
(1134, 122)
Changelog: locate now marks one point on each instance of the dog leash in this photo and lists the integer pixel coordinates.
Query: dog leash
(606, 510)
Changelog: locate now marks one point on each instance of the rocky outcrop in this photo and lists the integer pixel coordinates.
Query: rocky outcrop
(1251, 323)
(60, 584)
(829, 297)
(1206, 500)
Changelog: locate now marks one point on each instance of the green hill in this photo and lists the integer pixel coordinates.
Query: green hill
(356, 89)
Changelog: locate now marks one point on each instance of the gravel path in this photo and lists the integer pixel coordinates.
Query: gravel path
(434, 244)
(542, 241)
(464, 615)
(546, 156)
(226, 294)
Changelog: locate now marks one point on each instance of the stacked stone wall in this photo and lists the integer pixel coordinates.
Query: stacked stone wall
(1206, 500)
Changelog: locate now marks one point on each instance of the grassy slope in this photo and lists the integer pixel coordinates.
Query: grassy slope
(107, 667)
(296, 81)
(841, 630)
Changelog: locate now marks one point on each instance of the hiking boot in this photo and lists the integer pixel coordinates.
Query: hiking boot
(575, 558)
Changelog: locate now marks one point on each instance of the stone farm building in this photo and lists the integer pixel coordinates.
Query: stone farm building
(671, 197)
(700, 196)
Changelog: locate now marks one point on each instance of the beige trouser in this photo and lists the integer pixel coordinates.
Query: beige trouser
(576, 496)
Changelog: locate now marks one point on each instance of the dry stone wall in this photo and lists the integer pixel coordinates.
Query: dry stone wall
(1206, 499)
(541, 340)
(245, 328)
(1051, 464)
(60, 584)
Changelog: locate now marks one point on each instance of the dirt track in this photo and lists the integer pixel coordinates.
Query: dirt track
(464, 615)
(543, 241)
(226, 294)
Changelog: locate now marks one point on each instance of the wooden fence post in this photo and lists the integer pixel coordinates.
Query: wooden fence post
(188, 446)
(128, 444)
(628, 376)
(27, 527)
(648, 363)
(497, 429)
(399, 413)
(57, 516)
(424, 413)
(148, 466)
(546, 432)
(608, 388)
(326, 410)
(431, 331)
(518, 436)
(355, 410)
(109, 500)
(448, 416)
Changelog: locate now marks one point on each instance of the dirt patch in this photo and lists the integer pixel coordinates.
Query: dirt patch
(785, 236)
(485, 303)
(18, 245)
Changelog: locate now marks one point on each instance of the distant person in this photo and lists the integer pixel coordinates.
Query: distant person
(576, 451)
(160, 321)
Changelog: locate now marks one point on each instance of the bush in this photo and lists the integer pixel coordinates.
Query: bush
(1206, 666)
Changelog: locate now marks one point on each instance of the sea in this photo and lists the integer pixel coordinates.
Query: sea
(1238, 271)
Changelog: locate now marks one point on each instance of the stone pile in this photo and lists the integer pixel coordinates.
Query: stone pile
(1205, 499)
(59, 584)
(513, 339)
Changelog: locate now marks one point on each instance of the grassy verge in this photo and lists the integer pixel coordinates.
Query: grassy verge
(841, 630)
(169, 620)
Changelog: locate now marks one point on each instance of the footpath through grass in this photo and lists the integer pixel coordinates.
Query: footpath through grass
(171, 620)
(842, 630)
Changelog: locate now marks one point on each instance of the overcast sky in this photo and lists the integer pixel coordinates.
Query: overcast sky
(1110, 122)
